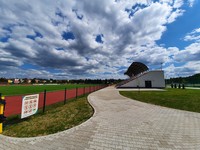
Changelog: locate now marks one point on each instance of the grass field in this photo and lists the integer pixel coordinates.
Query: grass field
(31, 89)
(57, 117)
(187, 99)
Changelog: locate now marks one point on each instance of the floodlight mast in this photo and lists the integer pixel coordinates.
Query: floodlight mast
(161, 65)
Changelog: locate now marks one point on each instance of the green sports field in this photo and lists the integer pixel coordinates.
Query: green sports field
(188, 99)
(30, 89)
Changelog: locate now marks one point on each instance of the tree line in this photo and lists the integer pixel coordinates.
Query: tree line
(194, 79)
(71, 81)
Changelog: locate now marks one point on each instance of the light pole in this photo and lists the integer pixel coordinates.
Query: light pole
(161, 65)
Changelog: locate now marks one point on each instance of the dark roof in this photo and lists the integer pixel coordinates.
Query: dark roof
(136, 68)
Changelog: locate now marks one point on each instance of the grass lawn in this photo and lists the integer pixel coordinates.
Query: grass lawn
(31, 89)
(57, 117)
(186, 99)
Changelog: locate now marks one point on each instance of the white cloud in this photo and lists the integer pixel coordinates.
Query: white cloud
(193, 66)
(187, 59)
(190, 53)
(178, 3)
(196, 30)
(167, 1)
(191, 2)
(33, 35)
(186, 69)
(175, 15)
(193, 36)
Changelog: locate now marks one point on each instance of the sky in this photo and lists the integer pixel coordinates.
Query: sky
(65, 39)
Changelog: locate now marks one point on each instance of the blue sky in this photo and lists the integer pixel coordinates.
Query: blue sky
(183, 25)
(98, 39)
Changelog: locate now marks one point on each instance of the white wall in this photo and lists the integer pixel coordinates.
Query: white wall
(156, 77)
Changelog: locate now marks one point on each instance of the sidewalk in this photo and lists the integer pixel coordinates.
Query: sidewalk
(120, 123)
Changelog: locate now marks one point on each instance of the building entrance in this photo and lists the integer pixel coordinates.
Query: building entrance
(148, 84)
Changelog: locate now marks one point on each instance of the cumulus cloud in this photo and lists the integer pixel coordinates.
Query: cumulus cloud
(192, 51)
(187, 59)
(62, 35)
(178, 3)
(193, 36)
(186, 69)
(175, 14)
(191, 2)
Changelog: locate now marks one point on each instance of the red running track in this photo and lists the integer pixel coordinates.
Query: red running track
(14, 103)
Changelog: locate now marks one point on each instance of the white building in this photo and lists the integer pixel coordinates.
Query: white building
(140, 77)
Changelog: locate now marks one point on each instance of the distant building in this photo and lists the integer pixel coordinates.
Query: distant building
(36, 81)
(16, 81)
(141, 77)
(10, 81)
(28, 81)
(21, 80)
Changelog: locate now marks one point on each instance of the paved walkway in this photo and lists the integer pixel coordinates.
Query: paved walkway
(193, 88)
(121, 123)
(140, 89)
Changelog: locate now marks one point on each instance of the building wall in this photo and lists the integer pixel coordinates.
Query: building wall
(156, 77)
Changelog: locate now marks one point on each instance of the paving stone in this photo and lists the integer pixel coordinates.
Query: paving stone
(120, 123)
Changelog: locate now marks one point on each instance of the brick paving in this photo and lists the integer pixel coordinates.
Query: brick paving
(120, 123)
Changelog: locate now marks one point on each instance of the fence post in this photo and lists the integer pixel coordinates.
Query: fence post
(76, 92)
(65, 96)
(2, 117)
(44, 103)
